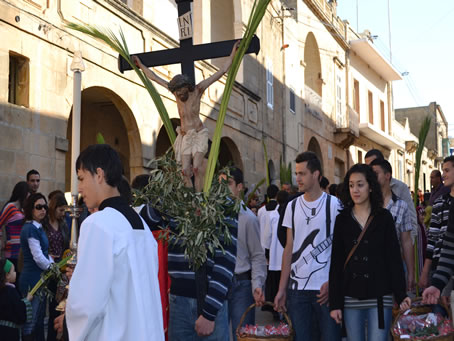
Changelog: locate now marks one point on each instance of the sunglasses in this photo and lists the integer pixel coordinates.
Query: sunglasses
(40, 207)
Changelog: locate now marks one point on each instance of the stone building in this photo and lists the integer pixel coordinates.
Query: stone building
(315, 85)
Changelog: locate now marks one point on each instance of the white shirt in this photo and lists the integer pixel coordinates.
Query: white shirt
(310, 263)
(36, 251)
(271, 241)
(114, 291)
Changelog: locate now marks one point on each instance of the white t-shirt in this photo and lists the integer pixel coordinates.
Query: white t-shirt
(311, 254)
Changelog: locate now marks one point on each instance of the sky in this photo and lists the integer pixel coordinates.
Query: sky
(422, 47)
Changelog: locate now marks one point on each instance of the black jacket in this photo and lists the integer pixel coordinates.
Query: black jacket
(376, 267)
(12, 309)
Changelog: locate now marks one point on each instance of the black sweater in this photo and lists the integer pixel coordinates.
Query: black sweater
(12, 309)
(375, 269)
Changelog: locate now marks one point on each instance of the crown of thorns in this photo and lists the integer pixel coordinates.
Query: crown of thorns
(180, 81)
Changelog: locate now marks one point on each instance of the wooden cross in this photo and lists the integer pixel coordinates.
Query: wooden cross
(187, 53)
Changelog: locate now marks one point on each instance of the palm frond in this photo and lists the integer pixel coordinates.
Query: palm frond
(258, 11)
(267, 169)
(121, 47)
(423, 132)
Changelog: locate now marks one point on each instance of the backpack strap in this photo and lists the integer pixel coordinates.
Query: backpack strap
(293, 217)
(328, 216)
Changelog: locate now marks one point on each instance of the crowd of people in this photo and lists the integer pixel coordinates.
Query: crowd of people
(336, 258)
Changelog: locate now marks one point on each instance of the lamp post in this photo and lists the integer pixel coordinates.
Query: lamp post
(77, 66)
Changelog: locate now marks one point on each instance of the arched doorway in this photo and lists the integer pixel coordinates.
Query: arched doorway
(229, 154)
(104, 112)
(314, 147)
(163, 141)
(313, 70)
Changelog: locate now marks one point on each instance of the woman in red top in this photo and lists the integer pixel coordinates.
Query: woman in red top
(12, 219)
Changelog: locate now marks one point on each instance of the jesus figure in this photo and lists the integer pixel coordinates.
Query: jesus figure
(191, 143)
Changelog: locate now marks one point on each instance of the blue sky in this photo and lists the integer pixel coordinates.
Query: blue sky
(422, 44)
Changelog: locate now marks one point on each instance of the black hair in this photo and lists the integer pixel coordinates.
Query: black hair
(282, 197)
(375, 196)
(30, 204)
(2, 272)
(313, 163)
(101, 156)
(374, 152)
(140, 181)
(332, 189)
(437, 173)
(339, 190)
(236, 174)
(20, 192)
(383, 164)
(125, 190)
(272, 191)
(32, 172)
(324, 182)
(449, 159)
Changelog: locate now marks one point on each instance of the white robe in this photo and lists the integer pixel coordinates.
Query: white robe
(114, 292)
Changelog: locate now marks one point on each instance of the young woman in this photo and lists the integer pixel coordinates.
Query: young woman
(58, 234)
(361, 287)
(12, 218)
(34, 245)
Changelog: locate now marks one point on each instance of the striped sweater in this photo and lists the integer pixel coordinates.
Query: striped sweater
(220, 269)
(13, 219)
(445, 268)
(438, 226)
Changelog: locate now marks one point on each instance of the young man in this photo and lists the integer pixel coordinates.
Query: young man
(33, 180)
(185, 322)
(438, 224)
(114, 291)
(309, 220)
(437, 187)
(399, 211)
(192, 140)
(250, 268)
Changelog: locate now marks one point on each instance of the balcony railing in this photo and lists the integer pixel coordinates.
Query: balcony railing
(350, 123)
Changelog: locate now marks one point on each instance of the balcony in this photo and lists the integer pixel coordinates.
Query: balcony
(347, 128)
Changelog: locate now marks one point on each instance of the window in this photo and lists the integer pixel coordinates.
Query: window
(382, 115)
(356, 96)
(371, 107)
(339, 116)
(292, 101)
(18, 80)
(269, 84)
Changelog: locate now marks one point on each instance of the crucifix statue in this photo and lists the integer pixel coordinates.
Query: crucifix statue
(191, 144)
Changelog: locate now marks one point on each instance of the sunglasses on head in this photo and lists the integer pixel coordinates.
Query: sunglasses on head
(40, 207)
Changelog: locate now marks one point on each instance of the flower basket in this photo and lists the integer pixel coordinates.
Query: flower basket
(248, 337)
(419, 309)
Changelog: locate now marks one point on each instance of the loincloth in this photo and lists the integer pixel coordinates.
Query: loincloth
(190, 143)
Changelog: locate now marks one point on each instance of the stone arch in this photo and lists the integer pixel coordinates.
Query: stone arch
(314, 147)
(103, 111)
(313, 69)
(229, 153)
(162, 141)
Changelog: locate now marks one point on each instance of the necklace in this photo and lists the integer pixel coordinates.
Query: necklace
(313, 210)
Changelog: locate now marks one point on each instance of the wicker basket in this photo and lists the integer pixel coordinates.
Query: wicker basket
(271, 337)
(424, 309)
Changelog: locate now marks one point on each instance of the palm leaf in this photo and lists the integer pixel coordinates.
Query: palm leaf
(258, 11)
(267, 169)
(256, 187)
(120, 46)
(423, 132)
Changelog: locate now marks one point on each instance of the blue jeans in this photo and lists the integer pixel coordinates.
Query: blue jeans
(37, 323)
(240, 298)
(355, 324)
(305, 312)
(183, 314)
